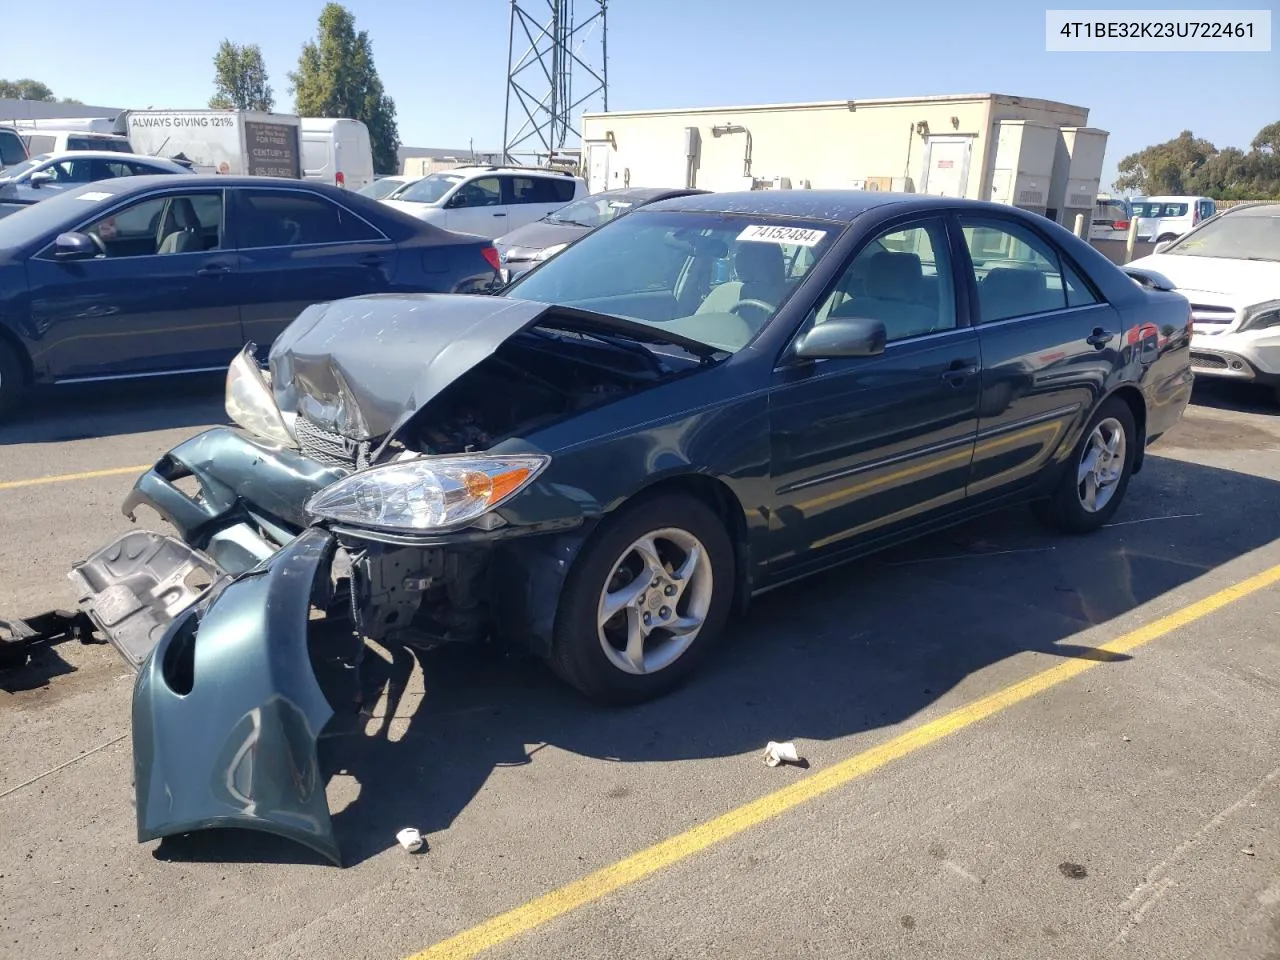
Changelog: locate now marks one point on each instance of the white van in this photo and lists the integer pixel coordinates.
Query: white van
(336, 151)
(1166, 218)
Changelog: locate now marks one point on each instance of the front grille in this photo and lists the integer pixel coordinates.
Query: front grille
(331, 449)
(1209, 361)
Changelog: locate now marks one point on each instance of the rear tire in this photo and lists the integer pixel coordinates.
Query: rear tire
(1096, 476)
(633, 579)
(12, 379)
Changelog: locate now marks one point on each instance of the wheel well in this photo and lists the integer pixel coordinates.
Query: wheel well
(24, 359)
(1166, 236)
(1138, 407)
(719, 497)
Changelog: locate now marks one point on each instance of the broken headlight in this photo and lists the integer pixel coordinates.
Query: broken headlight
(428, 493)
(250, 403)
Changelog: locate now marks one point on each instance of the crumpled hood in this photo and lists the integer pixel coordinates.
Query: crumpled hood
(363, 366)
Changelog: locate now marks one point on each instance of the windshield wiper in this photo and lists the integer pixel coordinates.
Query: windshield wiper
(565, 220)
(588, 321)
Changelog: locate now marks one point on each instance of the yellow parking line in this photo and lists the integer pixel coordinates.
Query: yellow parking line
(66, 477)
(638, 866)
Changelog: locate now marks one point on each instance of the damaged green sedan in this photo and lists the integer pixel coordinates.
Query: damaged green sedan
(705, 399)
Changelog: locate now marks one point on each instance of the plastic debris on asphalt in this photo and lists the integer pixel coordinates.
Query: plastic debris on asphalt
(776, 753)
(410, 839)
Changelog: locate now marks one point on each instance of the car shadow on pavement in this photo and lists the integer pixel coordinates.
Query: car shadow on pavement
(1244, 397)
(854, 650)
(91, 410)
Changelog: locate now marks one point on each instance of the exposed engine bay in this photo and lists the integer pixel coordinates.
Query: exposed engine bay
(531, 381)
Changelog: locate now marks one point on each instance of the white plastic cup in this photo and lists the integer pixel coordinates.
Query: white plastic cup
(410, 839)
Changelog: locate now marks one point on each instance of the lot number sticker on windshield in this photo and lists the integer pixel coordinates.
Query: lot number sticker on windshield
(796, 236)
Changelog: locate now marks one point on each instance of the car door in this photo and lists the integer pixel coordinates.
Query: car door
(1048, 343)
(298, 248)
(159, 298)
(476, 207)
(863, 447)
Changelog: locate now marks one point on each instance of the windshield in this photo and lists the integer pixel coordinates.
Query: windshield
(60, 212)
(430, 189)
(1149, 209)
(591, 211)
(18, 169)
(711, 277)
(1249, 234)
(381, 188)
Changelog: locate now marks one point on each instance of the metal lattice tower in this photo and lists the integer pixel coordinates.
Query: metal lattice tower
(541, 95)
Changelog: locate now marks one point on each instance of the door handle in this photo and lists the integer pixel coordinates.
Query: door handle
(499, 214)
(213, 270)
(1099, 338)
(959, 372)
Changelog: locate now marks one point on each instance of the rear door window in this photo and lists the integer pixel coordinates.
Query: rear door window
(1017, 273)
(285, 218)
(537, 190)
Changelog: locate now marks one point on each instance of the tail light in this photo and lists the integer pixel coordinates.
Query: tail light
(491, 254)
(1120, 225)
(340, 179)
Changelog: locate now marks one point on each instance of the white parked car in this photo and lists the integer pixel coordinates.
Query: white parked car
(46, 175)
(488, 201)
(1167, 218)
(1229, 268)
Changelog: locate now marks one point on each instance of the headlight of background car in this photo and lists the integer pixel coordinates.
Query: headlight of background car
(428, 493)
(546, 253)
(250, 403)
(1261, 316)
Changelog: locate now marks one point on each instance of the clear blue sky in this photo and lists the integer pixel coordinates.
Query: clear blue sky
(445, 63)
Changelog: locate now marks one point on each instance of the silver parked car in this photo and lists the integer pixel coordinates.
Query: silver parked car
(48, 174)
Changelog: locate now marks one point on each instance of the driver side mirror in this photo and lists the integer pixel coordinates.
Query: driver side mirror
(39, 178)
(457, 201)
(841, 337)
(74, 246)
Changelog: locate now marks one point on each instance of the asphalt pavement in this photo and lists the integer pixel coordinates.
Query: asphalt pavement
(1017, 745)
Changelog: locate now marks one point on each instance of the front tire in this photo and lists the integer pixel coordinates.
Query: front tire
(1097, 475)
(645, 601)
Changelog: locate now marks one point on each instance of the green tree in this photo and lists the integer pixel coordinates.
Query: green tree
(336, 78)
(240, 78)
(26, 89)
(1166, 168)
(1268, 139)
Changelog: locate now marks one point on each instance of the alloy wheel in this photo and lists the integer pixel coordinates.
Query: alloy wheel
(1101, 465)
(655, 601)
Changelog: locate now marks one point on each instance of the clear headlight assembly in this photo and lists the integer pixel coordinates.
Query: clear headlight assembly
(426, 494)
(250, 403)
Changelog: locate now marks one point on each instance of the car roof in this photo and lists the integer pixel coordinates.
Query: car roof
(840, 206)
(124, 185)
(101, 155)
(470, 169)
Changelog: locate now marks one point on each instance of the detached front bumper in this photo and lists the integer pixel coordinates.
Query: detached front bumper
(227, 710)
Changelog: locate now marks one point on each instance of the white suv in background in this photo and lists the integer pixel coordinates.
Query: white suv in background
(488, 201)
(1167, 218)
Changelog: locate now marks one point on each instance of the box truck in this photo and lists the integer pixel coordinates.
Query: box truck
(238, 142)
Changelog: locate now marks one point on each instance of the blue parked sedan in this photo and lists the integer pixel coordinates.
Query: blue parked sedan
(143, 276)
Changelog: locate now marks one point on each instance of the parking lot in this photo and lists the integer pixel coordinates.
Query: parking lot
(1016, 744)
